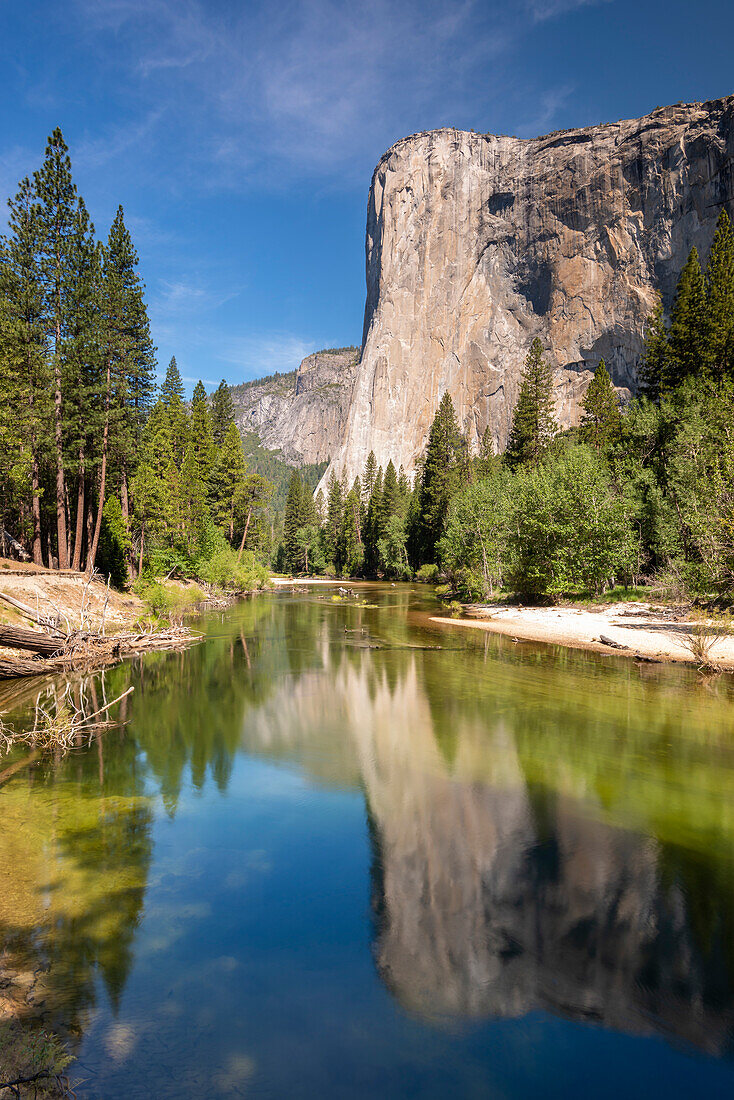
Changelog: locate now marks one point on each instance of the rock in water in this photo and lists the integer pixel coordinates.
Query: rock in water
(476, 244)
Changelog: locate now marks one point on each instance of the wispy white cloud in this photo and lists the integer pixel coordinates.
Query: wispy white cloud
(265, 353)
(181, 298)
(546, 109)
(266, 93)
(541, 10)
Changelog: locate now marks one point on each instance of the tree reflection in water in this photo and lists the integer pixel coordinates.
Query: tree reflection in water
(548, 830)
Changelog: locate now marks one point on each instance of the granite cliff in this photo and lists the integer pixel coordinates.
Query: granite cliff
(476, 244)
(303, 413)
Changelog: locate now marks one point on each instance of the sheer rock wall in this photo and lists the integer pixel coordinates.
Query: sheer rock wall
(476, 244)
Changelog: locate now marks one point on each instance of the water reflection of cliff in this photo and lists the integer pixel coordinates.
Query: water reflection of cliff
(505, 880)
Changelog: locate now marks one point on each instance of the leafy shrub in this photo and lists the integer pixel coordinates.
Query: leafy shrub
(167, 599)
(428, 574)
(226, 571)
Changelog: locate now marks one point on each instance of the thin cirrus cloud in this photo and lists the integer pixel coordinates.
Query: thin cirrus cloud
(270, 94)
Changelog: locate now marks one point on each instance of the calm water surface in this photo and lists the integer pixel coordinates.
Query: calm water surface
(322, 861)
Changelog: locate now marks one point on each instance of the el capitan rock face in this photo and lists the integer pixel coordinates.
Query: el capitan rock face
(476, 244)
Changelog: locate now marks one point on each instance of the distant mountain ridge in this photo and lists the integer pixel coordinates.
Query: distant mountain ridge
(301, 414)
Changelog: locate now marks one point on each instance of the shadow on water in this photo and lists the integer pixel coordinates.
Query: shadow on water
(548, 831)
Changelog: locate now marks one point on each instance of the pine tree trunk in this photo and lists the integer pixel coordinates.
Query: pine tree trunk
(90, 526)
(36, 503)
(60, 480)
(76, 561)
(125, 506)
(244, 535)
(142, 539)
(92, 554)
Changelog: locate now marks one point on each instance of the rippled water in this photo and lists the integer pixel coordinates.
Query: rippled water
(322, 861)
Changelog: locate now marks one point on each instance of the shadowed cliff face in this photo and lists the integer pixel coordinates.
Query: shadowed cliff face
(498, 886)
(476, 244)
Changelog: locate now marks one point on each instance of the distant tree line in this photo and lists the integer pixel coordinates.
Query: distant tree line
(635, 494)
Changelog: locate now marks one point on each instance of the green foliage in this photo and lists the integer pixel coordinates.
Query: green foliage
(655, 367)
(167, 599)
(27, 1050)
(533, 421)
(222, 412)
(226, 569)
(569, 527)
(719, 321)
(428, 573)
(114, 544)
(474, 547)
(601, 421)
(443, 470)
(687, 326)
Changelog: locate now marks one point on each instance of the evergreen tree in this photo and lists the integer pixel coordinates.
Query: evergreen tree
(25, 379)
(601, 422)
(688, 325)
(228, 480)
(374, 524)
(128, 358)
(172, 394)
(533, 421)
(222, 412)
(403, 483)
(82, 370)
(57, 212)
(655, 369)
(292, 521)
(441, 475)
(719, 321)
(370, 473)
(201, 433)
(390, 492)
(173, 387)
(333, 526)
(351, 548)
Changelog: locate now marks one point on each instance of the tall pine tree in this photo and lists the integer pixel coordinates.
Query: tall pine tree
(688, 325)
(533, 421)
(57, 210)
(719, 320)
(601, 421)
(655, 367)
(222, 408)
(25, 373)
(441, 474)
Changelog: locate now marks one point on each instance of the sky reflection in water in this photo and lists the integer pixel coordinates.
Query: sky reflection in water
(313, 868)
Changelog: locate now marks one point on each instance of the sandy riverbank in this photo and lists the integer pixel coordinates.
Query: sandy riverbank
(644, 631)
(300, 582)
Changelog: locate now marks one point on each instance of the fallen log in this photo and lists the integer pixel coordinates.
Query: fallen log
(28, 612)
(611, 642)
(17, 637)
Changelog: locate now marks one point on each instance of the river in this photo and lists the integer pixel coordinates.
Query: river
(325, 858)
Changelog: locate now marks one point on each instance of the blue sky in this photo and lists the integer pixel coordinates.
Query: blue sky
(241, 137)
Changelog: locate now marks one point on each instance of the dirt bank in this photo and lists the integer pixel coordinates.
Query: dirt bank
(639, 629)
(65, 595)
